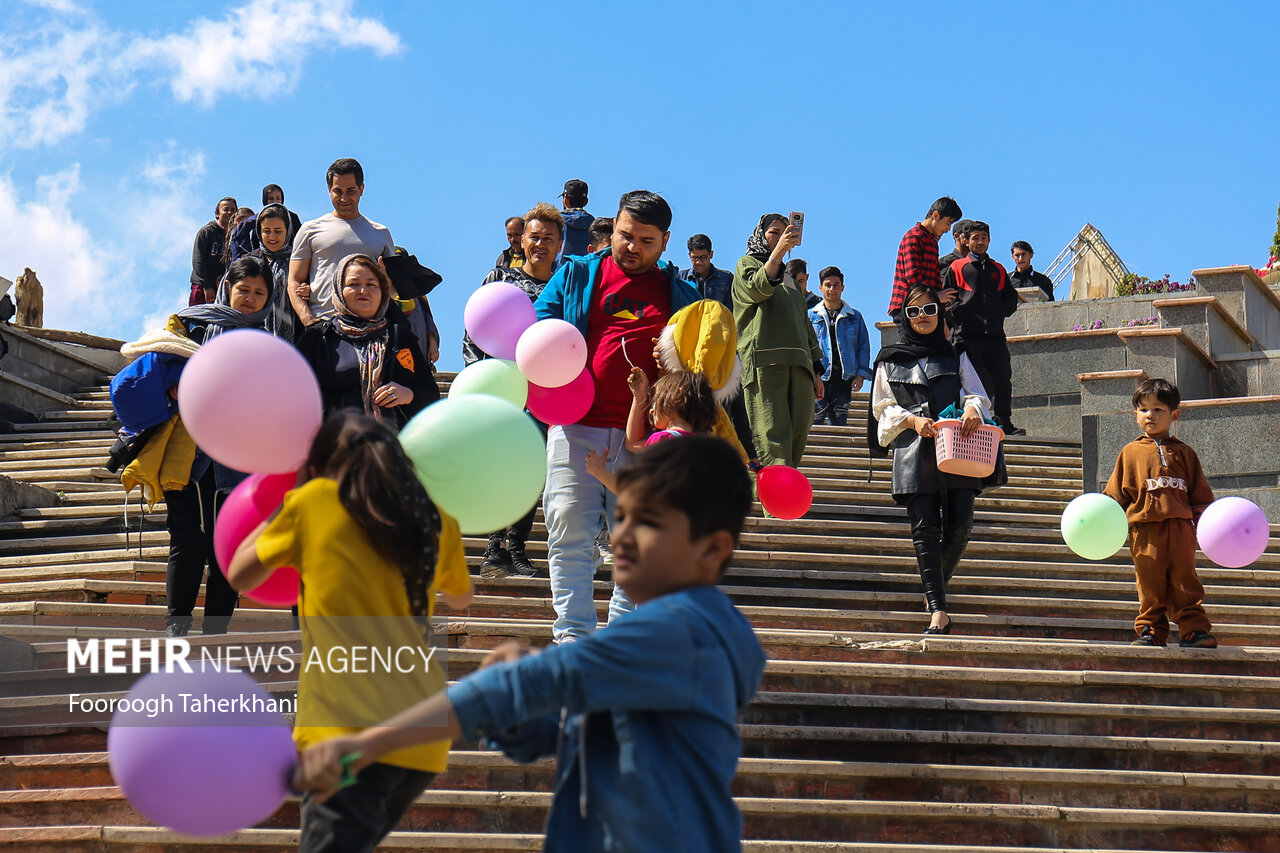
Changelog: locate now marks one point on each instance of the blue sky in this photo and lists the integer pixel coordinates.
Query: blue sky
(121, 124)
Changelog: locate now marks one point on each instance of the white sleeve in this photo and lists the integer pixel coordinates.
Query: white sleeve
(891, 418)
(975, 396)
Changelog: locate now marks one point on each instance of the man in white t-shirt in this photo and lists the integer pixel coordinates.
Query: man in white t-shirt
(320, 245)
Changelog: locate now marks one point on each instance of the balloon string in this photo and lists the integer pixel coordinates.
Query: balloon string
(624, 353)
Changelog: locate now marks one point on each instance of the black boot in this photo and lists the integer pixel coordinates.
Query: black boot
(497, 560)
(177, 626)
(520, 563)
(215, 624)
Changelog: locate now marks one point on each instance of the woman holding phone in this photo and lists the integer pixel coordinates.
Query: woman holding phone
(781, 359)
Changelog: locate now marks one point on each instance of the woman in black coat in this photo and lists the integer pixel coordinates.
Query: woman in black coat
(365, 357)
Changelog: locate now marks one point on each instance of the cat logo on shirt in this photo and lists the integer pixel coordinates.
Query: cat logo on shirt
(624, 307)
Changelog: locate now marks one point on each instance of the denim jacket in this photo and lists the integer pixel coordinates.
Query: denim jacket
(643, 720)
(851, 339)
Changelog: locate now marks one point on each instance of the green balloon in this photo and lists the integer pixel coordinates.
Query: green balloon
(482, 460)
(1094, 526)
(495, 377)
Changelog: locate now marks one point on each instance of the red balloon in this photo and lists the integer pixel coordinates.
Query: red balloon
(279, 590)
(784, 491)
(567, 404)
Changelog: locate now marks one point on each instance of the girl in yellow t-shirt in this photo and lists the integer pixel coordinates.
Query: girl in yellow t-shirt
(372, 550)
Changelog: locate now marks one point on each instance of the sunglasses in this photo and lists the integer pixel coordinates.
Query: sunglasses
(914, 311)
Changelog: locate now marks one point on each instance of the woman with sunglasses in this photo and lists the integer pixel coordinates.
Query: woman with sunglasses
(916, 380)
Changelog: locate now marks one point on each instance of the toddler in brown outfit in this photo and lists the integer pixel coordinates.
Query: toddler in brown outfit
(1159, 482)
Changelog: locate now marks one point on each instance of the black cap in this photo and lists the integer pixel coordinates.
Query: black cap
(575, 189)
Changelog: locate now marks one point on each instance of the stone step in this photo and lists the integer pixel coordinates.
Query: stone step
(832, 821)
(838, 780)
(18, 450)
(53, 427)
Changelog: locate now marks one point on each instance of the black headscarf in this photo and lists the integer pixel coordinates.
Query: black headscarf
(913, 346)
(757, 245)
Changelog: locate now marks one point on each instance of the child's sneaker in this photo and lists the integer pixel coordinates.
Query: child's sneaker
(1147, 638)
(496, 562)
(1199, 640)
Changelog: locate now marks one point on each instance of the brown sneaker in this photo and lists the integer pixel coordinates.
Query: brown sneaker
(1198, 640)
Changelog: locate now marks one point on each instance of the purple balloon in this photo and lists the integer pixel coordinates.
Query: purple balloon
(198, 770)
(496, 316)
(1233, 532)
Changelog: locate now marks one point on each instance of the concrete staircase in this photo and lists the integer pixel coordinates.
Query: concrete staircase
(1033, 727)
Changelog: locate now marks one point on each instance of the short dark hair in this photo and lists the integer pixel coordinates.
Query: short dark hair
(647, 208)
(234, 204)
(1023, 245)
(829, 271)
(1162, 389)
(345, 166)
(268, 189)
(510, 219)
(249, 266)
(961, 227)
(946, 207)
(920, 290)
(699, 243)
(601, 229)
(794, 266)
(978, 225)
(699, 476)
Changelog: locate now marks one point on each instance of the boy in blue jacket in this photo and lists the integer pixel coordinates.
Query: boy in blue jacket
(846, 349)
(641, 716)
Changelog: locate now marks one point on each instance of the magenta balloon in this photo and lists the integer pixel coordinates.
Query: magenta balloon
(551, 353)
(251, 402)
(1233, 532)
(567, 404)
(248, 505)
(784, 491)
(198, 770)
(280, 589)
(495, 317)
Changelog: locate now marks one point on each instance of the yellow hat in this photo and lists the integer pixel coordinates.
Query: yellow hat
(703, 337)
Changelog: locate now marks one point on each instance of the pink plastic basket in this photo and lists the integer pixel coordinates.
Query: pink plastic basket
(966, 457)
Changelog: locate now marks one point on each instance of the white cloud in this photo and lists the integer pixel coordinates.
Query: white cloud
(55, 74)
(259, 48)
(78, 273)
(165, 206)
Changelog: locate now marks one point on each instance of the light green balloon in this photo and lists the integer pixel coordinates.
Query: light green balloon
(482, 460)
(495, 377)
(1094, 526)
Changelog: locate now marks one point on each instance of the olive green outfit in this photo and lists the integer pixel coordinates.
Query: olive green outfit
(778, 348)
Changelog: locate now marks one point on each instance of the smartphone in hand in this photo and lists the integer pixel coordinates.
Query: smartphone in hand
(797, 224)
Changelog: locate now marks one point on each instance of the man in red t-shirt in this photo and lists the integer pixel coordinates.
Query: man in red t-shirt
(620, 299)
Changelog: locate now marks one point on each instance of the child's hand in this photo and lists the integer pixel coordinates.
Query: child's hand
(506, 652)
(923, 426)
(319, 768)
(638, 382)
(597, 462)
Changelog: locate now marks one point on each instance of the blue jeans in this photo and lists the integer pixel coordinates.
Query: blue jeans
(575, 505)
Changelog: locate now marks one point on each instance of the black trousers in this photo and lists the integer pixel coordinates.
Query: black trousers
(990, 357)
(357, 818)
(940, 528)
(742, 426)
(518, 533)
(190, 518)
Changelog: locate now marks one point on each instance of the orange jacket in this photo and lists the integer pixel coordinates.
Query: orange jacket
(1157, 480)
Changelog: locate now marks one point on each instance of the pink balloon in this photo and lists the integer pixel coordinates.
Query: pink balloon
(1233, 532)
(784, 491)
(251, 402)
(567, 404)
(495, 317)
(551, 353)
(248, 505)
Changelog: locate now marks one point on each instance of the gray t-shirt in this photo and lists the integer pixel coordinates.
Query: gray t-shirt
(327, 241)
